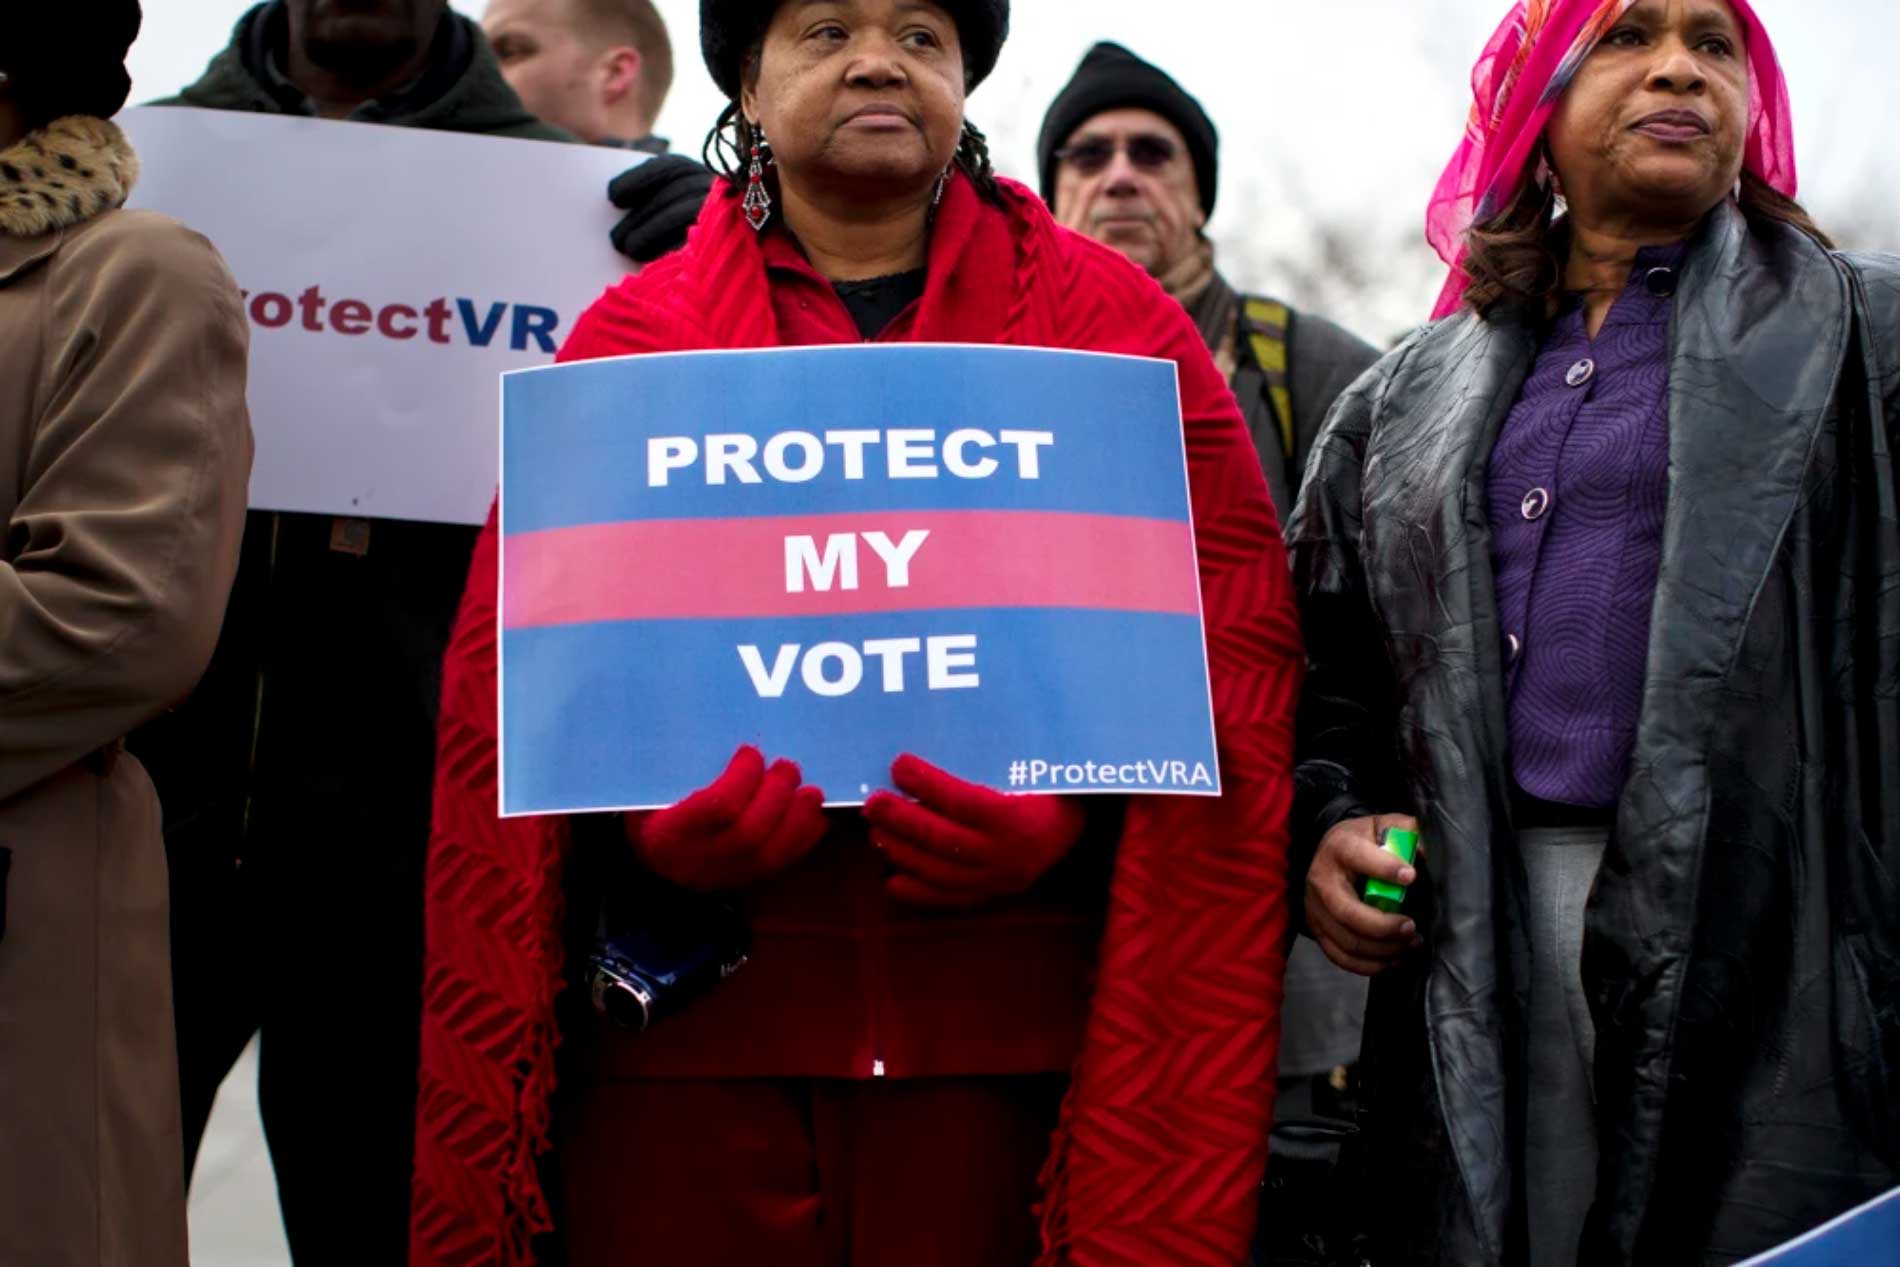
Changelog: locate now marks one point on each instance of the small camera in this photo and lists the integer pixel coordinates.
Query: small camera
(659, 947)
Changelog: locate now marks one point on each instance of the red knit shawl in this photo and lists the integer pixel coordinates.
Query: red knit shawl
(1163, 1138)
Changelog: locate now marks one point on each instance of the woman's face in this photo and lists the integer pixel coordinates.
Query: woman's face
(860, 92)
(1652, 126)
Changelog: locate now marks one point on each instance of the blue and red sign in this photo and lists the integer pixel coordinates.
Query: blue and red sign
(1865, 1237)
(982, 555)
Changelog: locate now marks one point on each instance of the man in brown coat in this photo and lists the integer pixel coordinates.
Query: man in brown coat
(125, 448)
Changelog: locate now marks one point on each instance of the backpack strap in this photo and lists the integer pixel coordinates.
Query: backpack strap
(1265, 323)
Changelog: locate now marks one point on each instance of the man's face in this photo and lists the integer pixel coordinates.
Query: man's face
(544, 59)
(364, 39)
(1125, 179)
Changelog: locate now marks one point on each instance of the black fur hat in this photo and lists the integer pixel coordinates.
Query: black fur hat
(63, 59)
(729, 29)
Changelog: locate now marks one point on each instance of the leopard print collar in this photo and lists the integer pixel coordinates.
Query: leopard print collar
(65, 173)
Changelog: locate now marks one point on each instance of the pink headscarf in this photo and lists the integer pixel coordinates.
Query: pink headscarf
(1517, 83)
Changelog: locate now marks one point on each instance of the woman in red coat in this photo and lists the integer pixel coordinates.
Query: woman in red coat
(940, 982)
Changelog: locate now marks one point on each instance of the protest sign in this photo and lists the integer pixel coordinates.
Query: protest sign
(390, 276)
(982, 555)
(1865, 1237)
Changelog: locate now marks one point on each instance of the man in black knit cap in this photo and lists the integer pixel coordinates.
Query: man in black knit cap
(1128, 158)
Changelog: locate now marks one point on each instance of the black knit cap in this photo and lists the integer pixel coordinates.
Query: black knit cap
(728, 29)
(1112, 78)
(63, 59)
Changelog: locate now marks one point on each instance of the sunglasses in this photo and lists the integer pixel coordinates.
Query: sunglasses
(1146, 152)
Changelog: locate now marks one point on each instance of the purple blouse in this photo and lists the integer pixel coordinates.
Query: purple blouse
(1577, 488)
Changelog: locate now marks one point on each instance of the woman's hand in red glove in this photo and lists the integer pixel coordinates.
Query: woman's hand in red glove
(748, 825)
(960, 844)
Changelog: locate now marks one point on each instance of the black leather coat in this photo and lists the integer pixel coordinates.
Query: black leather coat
(1742, 952)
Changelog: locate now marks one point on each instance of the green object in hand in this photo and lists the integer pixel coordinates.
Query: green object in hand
(1389, 897)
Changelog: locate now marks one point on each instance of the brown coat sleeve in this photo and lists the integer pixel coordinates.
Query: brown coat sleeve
(120, 551)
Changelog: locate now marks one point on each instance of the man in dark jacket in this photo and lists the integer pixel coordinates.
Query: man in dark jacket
(295, 782)
(1128, 158)
(407, 62)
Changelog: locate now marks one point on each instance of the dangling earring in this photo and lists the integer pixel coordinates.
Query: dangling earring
(758, 202)
(943, 178)
(1547, 178)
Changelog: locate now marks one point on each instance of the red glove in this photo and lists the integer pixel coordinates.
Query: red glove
(750, 824)
(960, 844)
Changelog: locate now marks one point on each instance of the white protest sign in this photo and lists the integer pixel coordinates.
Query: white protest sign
(390, 275)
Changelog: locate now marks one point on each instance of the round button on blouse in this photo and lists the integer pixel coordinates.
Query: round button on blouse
(1660, 282)
(1512, 648)
(1582, 372)
(1536, 502)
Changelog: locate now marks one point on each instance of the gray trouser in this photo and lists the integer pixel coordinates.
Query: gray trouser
(1560, 1139)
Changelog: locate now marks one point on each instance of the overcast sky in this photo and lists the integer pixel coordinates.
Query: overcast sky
(1335, 117)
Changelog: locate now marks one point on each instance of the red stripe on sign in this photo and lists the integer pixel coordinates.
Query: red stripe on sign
(824, 565)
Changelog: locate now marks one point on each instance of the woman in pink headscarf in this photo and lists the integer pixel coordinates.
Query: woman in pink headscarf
(1600, 574)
